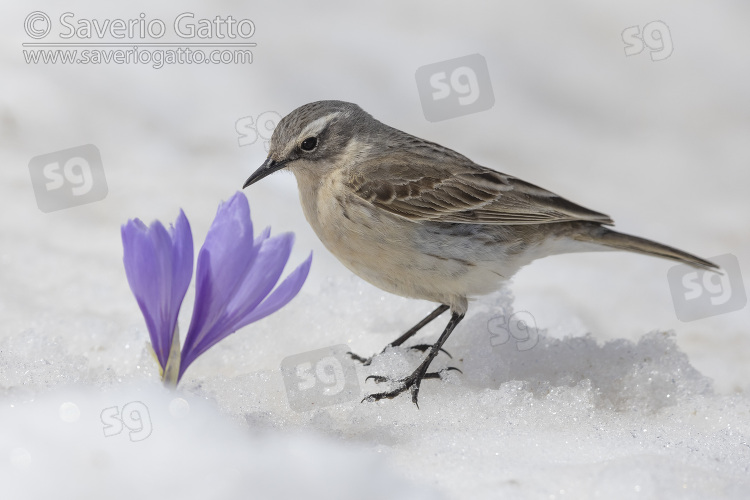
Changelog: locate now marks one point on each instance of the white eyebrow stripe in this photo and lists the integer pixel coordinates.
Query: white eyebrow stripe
(314, 128)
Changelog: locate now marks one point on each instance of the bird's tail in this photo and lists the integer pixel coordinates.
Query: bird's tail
(600, 235)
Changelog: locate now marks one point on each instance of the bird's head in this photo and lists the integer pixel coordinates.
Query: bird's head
(314, 139)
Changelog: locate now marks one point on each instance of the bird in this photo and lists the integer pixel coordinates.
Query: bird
(419, 220)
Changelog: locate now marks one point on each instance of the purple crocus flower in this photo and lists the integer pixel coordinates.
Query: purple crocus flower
(235, 279)
(159, 267)
(235, 276)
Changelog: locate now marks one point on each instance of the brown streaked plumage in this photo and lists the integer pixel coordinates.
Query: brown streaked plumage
(420, 220)
(429, 190)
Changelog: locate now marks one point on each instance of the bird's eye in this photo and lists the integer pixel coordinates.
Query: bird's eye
(309, 144)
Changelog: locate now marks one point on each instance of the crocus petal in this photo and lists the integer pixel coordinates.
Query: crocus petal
(182, 259)
(280, 297)
(229, 287)
(159, 266)
(261, 277)
(256, 285)
(229, 251)
(263, 236)
(223, 262)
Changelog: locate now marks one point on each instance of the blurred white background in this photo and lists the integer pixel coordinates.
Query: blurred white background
(660, 146)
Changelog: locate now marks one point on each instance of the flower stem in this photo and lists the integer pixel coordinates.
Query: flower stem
(172, 370)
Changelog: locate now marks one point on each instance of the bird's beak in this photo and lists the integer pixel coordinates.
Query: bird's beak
(269, 166)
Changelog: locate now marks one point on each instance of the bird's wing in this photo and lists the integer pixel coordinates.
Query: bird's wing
(419, 189)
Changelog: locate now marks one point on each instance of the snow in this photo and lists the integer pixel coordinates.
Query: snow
(611, 396)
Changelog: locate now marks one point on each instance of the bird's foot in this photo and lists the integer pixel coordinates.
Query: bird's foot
(357, 357)
(412, 382)
(424, 347)
(418, 347)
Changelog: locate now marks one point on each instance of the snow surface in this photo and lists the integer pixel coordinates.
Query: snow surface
(617, 398)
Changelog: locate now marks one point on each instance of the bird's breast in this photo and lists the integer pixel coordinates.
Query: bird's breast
(397, 255)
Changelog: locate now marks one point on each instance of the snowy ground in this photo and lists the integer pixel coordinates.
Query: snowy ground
(617, 398)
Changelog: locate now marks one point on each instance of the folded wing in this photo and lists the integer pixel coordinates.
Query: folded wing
(421, 190)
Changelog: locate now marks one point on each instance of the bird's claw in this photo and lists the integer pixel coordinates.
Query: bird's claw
(424, 347)
(418, 347)
(439, 374)
(357, 357)
(411, 382)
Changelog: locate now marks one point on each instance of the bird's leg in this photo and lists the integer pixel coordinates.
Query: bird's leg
(412, 331)
(413, 381)
(406, 336)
